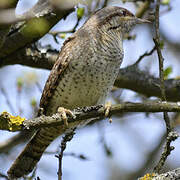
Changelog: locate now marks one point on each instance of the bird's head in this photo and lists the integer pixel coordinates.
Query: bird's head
(115, 18)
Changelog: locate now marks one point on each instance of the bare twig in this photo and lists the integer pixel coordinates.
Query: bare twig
(103, 141)
(78, 156)
(57, 33)
(3, 176)
(171, 136)
(68, 137)
(144, 55)
(160, 57)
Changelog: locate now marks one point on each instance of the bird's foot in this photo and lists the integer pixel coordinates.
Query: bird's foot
(107, 109)
(63, 113)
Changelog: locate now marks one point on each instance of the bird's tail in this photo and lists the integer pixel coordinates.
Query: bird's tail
(33, 151)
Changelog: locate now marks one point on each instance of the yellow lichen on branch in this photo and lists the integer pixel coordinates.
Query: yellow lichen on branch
(10, 122)
(148, 176)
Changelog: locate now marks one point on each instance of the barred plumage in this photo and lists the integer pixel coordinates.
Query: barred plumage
(83, 75)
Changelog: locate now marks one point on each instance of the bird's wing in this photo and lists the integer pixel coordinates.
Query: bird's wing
(56, 72)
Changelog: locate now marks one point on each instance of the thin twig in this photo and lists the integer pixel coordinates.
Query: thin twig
(78, 156)
(144, 55)
(68, 137)
(3, 176)
(161, 64)
(57, 33)
(103, 141)
(171, 136)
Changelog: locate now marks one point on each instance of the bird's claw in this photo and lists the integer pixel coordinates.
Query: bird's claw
(107, 108)
(64, 112)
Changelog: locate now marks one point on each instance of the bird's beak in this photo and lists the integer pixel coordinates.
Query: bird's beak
(140, 21)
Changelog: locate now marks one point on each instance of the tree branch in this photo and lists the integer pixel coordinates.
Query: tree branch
(141, 82)
(31, 30)
(129, 78)
(32, 57)
(171, 135)
(4, 29)
(9, 122)
(171, 175)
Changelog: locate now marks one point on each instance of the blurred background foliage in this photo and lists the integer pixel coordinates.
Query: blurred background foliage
(128, 147)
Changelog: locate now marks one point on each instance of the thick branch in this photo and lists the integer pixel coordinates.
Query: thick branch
(84, 114)
(4, 29)
(129, 78)
(141, 82)
(33, 29)
(8, 4)
(33, 57)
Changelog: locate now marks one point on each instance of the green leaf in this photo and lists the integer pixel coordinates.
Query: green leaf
(161, 44)
(33, 102)
(80, 13)
(62, 35)
(165, 2)
(19, 83)
(167, 72)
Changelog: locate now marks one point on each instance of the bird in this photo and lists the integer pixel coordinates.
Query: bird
(83, 75)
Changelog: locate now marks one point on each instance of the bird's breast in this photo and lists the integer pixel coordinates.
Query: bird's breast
(85, 82)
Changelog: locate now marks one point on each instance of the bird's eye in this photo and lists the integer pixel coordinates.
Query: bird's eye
(124, 13)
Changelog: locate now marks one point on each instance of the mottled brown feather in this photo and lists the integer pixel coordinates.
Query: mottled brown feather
(55, 75)
(83, 74)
